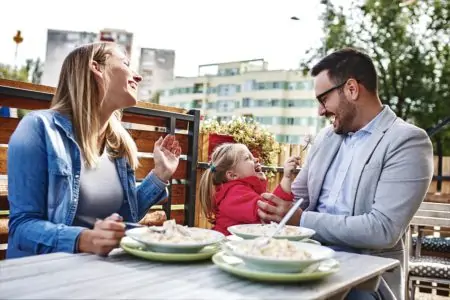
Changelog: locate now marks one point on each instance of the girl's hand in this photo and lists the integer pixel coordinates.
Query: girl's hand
(290, 165)
(259, 173)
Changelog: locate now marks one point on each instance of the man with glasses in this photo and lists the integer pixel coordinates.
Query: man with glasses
(365, 175)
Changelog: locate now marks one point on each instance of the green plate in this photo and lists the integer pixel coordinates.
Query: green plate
(236, 266)
(137, 249)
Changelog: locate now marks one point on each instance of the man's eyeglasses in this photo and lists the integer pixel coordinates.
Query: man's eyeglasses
(320, 96)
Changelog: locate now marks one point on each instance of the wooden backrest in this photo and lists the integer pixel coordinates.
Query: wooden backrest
(146, 123)
(432, 214)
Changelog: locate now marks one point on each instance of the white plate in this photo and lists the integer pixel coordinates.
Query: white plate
(180, 247)
(279, 265)
(239, 230)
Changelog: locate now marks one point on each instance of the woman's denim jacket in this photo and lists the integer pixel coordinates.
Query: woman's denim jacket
(44, 183)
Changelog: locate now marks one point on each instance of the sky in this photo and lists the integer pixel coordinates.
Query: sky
(200, 31)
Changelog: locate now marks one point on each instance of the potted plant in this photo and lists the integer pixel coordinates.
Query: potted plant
(247, 131)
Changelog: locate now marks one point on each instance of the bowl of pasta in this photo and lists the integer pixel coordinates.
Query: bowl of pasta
(278, 255)
(288, 232)
(174, 238)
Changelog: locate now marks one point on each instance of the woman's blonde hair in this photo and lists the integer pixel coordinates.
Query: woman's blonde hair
(224, 158)
(78, 96)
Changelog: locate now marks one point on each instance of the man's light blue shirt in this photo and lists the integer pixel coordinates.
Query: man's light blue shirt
(335, 195)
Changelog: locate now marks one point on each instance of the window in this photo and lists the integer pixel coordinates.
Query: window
(246, 102)
(222, 90)
(197, 103)
(225, 105)
(223, 119)
(198, 88)
(290, 121)
(249, 85)
(227, 89)
(275, 102)
(249, 117)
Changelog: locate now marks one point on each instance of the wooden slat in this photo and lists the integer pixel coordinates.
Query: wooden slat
(3, 230)
(147, 164)
(3, 161)
(433, 214)
(7, 127)
(27, 86)
(149, 105)
(435, 206)
(178, 194)
(437, 197)
(4, 204)
(427, 221)
(154, 121)
(25, 103)
(145, 140)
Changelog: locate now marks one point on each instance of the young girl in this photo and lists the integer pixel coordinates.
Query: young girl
(230, 189)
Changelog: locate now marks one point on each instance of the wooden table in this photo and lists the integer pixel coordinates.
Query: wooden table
(120, 276)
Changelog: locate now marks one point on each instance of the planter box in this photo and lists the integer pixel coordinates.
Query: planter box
(215, 140)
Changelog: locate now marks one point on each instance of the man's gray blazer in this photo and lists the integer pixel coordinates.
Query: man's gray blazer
(392, 178)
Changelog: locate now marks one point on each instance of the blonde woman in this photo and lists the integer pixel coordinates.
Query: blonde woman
(71, 178)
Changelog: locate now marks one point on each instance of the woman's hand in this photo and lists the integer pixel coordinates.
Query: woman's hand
(166, 155)
(105, 236)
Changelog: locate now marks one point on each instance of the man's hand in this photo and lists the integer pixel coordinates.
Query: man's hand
(275, 212)
(105, 236)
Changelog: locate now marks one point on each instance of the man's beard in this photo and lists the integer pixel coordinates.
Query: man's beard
(345, 115)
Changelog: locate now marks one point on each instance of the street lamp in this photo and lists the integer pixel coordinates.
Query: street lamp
(17, 39)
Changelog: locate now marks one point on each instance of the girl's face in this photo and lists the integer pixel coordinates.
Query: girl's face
(245, 166)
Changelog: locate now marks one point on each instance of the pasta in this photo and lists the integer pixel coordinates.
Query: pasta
(267, 229)
(175, 234)
(276, 248)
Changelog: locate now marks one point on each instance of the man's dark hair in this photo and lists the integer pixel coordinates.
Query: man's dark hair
(349, 63)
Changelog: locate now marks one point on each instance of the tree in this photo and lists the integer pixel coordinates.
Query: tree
(31, 72)
(410, 46)
(8, 72)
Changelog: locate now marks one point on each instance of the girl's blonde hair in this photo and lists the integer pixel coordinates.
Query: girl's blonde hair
(224, 158)
(78, 96)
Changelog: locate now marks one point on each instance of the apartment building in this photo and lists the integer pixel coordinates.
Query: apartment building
(156, 66)
(61, 42)
(282, 100)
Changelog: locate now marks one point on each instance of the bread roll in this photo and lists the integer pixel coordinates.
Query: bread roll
(155, 218)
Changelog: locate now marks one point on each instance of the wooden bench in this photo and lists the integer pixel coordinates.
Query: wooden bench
(430, 258)
(146, 123)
